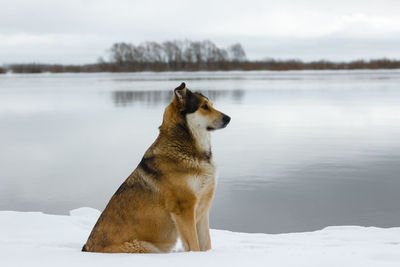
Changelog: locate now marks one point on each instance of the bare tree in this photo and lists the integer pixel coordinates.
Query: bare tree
(175, 55)
(237, 53)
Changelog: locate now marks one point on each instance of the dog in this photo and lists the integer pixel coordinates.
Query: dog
(170, 192)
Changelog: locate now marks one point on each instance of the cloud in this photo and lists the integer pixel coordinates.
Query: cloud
(75, 31)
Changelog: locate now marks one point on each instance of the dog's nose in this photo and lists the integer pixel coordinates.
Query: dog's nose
(226, 119)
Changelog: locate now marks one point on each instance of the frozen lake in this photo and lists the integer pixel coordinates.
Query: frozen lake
(304, 149)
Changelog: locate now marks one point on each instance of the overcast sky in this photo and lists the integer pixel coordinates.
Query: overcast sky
(79, 31)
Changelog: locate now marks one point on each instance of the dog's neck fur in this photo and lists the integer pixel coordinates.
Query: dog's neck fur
(180, 129)
(201, 136)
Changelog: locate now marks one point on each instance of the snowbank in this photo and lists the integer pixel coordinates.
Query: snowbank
(37, 239)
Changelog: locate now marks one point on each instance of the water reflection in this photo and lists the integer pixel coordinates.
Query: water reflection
(128, 98)
(366, 194)
(304, 149)
(123, 98)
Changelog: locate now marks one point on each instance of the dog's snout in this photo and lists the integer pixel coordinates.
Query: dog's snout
(226, 119)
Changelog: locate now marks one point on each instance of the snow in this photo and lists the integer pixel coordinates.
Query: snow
(37, 239)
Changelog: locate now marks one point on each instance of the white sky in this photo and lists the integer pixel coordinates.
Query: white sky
(79, 31)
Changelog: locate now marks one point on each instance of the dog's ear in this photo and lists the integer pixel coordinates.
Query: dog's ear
(180, 93)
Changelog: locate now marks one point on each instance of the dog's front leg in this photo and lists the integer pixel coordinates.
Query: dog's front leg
(203, 232)
(185, 222)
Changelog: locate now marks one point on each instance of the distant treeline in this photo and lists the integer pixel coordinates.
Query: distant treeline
(3, 70)
(192, 56)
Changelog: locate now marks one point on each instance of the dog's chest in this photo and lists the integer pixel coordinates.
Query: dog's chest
(200, 184)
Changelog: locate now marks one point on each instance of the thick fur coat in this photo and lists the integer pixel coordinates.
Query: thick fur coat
(169, 194)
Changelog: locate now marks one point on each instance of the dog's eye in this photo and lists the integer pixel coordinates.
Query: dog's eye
(205, 106)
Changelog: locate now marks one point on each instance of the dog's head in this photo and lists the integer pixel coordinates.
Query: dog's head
(198, 110)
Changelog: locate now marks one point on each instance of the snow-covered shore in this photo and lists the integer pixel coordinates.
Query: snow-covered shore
(37, 239)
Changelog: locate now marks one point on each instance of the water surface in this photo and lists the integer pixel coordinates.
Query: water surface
(304, 149)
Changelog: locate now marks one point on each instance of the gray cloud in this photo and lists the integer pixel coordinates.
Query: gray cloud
(79, 31)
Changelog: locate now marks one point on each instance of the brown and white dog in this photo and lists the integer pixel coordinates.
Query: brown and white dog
(170, 192)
